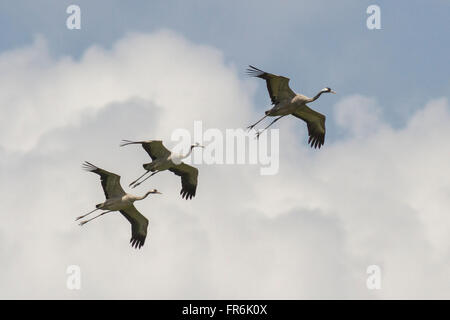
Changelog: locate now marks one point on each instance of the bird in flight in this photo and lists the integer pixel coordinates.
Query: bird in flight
(163, 159)
(118, 200)
(286, 102)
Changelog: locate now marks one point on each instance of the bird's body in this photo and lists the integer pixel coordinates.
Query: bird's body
(118, 200)
(162, 160)
(286, 107)
(161, 164)
(118, 203)
(287, 102)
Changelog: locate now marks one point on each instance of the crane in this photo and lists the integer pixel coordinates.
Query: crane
(287, 102)
(118, 200)
(163, 159)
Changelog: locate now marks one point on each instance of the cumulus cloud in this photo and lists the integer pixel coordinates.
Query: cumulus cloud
(380, 196)
(358, 115)
(41, 93)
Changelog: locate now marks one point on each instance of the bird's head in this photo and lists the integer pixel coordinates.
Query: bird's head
(195, 145)
(154, 191)
(327, 90)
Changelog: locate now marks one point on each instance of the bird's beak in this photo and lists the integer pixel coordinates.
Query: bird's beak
(333, 91)
(158, 192)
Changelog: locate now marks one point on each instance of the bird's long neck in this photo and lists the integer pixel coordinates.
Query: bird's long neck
(188, 153)
(316, 96)
(137, 198)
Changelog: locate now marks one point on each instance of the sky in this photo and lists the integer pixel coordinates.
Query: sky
(377, 193)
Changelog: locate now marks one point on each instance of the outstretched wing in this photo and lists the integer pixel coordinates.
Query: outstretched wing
(188, 176)
(277, 86)
(154, 148)
(110, 181)
(139, 225)
(316, 125)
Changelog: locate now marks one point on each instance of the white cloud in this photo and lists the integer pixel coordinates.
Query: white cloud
(378, 197)
(359, 115)
(40, 94)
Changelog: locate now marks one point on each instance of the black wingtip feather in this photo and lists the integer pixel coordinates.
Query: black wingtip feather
(88, 166)
(137, 243)
(187, 194)
(127, 142)
(254, 72)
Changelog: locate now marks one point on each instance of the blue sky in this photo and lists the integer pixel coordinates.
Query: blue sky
(377, 192)
(315, 43)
